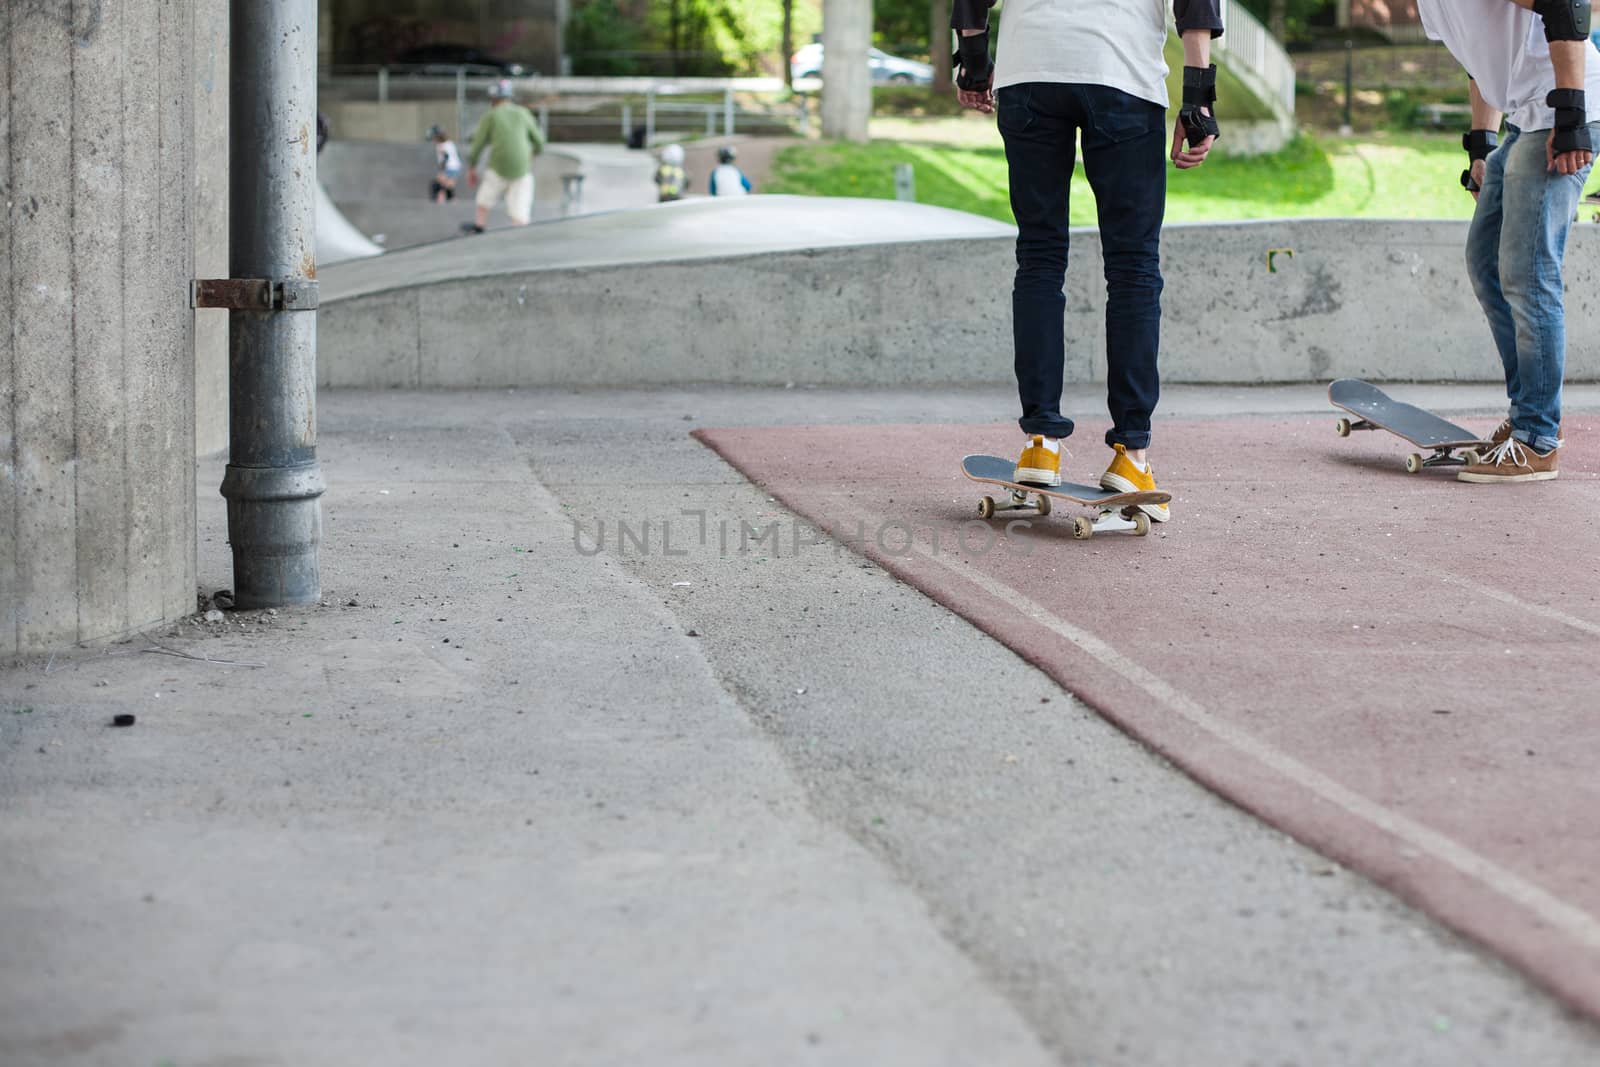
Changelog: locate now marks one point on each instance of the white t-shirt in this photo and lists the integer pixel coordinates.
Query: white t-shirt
(1503, 47)
(449, 159)
(728, 180)
(1095, 42)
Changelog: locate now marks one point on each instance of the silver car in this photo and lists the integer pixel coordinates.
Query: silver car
(886, 69)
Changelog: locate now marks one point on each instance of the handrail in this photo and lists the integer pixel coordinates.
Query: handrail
(1250, 53)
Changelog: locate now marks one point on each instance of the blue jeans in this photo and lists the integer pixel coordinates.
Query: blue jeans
(1514, 249)
(1124, 157)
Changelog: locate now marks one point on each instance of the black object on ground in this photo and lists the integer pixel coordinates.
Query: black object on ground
(122, 720)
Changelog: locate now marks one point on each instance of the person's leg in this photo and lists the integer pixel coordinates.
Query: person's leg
(1124, 159)
(1537, 206)
(1483, 264)
(1039, 141)
(490, 190)
(519, 199)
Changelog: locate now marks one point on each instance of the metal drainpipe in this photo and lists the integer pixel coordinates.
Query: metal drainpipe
(273, 482)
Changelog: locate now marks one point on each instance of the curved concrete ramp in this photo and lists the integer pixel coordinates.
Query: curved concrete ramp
(874, 292)
(780, 289)
(687, 229)
(337, 240)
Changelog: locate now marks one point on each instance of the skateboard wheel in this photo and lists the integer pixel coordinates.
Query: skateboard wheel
(986, 508)
(1342, 427)
(1413, 463)
(1042, 502)
(1141, 524)
(1082, 528)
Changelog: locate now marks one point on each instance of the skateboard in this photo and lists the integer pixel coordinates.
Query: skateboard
(1113, 511)
(1452, 445)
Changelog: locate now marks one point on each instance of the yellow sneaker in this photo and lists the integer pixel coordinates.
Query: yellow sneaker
(1039, 465)
(1124, 477)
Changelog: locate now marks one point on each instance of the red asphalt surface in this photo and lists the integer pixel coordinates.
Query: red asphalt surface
(1402, 671)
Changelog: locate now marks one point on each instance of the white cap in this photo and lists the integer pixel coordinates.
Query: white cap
(672, 154)
(500, 90)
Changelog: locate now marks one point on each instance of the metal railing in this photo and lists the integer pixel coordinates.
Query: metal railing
(1251, 54)
(654, 105)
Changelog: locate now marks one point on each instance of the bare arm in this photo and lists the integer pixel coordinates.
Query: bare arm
(1197, 48)
(1484, 117)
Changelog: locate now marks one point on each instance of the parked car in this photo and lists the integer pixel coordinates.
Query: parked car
(446, 58)
(886, 69)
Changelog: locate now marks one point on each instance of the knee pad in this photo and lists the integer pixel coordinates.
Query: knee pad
(434, 188)
(1564, 20)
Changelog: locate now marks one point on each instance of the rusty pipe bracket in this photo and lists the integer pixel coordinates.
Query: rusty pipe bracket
(254, 294)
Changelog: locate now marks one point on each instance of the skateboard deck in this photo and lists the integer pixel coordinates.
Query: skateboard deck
(1451, 445)
(1116, 511)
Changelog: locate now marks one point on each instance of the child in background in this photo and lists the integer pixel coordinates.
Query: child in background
(727, 179)
(671, 178)
(449, 164)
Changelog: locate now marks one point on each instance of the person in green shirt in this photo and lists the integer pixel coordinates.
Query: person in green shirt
(513, 138)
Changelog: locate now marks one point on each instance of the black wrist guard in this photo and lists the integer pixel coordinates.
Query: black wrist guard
(1572, 121)
(1199, 91)
(1564, 20)
(975, 70)
(1478, 143)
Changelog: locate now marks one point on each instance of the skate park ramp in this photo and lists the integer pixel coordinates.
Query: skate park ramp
(705, 289)
(337, 239)
(850, 292)
(383, 187)
(1383, 665)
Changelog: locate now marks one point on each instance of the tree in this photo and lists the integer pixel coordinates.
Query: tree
(786, 47)
(939, 43)
(846, 78)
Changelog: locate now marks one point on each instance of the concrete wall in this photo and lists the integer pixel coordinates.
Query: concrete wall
(97, 381)
(1382, 300)
(211, 221)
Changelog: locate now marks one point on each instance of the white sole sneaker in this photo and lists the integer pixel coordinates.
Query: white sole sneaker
(1117, 483)
(1490, 479)
(1036, 476)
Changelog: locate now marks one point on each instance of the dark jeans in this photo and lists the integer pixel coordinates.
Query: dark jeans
(1124, 158)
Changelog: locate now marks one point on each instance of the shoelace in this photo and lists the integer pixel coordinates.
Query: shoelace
(1510, 451)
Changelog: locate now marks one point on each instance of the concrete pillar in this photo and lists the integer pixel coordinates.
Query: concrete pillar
(97, 494)
(211, 221)
(846, 80)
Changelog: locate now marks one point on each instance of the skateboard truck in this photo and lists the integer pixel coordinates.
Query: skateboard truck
(1106, 520)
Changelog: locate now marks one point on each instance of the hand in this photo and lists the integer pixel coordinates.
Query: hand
(1476, 172)
(472, 177)
(1566, 162)
(1183, 157)
(978, 99)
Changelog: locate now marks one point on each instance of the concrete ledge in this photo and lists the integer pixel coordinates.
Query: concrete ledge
(853, 292)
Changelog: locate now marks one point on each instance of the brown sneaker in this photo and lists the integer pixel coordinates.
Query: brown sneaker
(1512, 461)
(1501, 432)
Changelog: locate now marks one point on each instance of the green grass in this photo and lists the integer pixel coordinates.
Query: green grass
(1409, 177)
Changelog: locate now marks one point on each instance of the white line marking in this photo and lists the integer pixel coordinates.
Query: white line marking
(1553, 614)
(1570, 920)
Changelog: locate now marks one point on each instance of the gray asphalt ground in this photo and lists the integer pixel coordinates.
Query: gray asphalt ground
(503, 799)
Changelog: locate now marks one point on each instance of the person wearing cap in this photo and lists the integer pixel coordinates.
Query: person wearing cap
(728, 179)
(448, 165)
(513, 138)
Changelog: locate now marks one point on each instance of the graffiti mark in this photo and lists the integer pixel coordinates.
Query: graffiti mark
(1272, 268)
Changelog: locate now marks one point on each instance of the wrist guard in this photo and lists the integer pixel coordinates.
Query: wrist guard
(975, 70)
(1199, 91)
(1564, 20)
(1478, 143)
(1572, 125)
